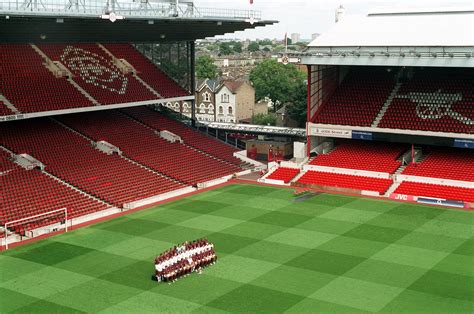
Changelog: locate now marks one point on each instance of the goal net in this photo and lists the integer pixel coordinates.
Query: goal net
(37, 225)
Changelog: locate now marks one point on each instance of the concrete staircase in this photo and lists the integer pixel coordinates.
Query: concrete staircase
(83, 92)
(126, 68)
(392, 188)
(76, 189)
(9, 105)
(387, 104)
(146, 85)
(244, 166)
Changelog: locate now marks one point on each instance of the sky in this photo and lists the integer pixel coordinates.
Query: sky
(313, 16)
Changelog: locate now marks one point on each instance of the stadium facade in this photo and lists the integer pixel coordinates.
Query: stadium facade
(390, 108)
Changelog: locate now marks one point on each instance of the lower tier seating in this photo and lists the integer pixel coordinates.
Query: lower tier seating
(5, 163)
(143, 145)
(28, 193)
(438, 191)
(360, 155)
(190, 136)
(284, 174)
(346, 181)
(73, 159)
(445, 163)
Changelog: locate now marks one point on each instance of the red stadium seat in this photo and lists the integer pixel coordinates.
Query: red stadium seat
(445, 163)
(437, 191)
(345, 181)
(446, 89)
(369, 156)
(284, 174)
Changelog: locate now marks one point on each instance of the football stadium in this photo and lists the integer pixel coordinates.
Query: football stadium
(113, 201)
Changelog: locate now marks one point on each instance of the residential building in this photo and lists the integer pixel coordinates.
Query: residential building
(235, 101)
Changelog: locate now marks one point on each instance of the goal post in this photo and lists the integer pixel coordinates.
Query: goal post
(34, 218)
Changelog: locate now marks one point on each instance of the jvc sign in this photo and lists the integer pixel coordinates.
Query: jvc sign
(402, 197)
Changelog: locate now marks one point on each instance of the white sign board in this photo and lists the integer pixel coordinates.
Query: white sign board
(315, 131)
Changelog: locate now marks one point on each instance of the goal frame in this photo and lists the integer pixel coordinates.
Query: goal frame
(64, 209)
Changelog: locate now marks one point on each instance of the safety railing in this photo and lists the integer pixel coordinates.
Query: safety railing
(125, 8)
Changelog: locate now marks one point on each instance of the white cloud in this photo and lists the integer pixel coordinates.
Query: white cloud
(312, 16)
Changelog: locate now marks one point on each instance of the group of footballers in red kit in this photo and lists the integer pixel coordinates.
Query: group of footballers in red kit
(184, 259)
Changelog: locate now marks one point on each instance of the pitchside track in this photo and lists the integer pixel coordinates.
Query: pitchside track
(327, 253)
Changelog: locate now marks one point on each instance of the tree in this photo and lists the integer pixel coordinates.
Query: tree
(264, 119)
(237, 46)
(253, 46)
(281, 83)
(205, 68)
(298, 107)
(266, 42)
(224, 49)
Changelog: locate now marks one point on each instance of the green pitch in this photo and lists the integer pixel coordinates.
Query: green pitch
(329, 253)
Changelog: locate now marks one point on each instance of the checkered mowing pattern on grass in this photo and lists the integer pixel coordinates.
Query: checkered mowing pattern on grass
(329, 253)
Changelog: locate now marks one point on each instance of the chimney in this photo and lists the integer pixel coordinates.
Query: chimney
(340, 12)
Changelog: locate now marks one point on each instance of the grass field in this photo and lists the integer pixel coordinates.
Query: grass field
(330, 253)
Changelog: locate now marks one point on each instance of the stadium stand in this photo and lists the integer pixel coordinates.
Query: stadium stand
(369, 156)
(4, 110)
(435, 190)
(439, 100)
(94, 70)
(143, 145)
(147, 71)
(73, 159)
(284, 174)
(345, 181)
(190, 136)
(28, 193)
(359, 98)
(445, 163)
(30, 86)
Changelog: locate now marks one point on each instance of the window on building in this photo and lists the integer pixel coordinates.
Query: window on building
(202, 108)
(210, 109)
(225, 98)
(221, 110)
(229, 110)
(185, 106)
(207, 97)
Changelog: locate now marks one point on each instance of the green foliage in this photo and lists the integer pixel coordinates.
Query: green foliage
(264, 119)
(279, 47)
(237, 46)
(281, 83)
(253, 46)
(298, 107)
(225, 49)
(265, 42)
(212, 47)
(205, 68)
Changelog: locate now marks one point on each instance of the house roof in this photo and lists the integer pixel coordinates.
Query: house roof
(213, 85)
(233, 86)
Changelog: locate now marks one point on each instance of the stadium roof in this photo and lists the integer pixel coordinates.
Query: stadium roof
(454, 28)
(125, 21)
(430, 37)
